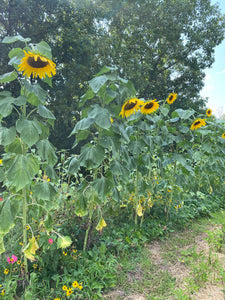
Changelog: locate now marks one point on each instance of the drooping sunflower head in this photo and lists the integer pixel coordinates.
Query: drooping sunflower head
(149, 107)
(130, 107)
(37, 65)
(223, 135)
(209, 112)
(171, 98)
(198, 123)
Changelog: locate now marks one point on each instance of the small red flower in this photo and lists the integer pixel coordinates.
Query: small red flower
(1, 199)
(50, 241)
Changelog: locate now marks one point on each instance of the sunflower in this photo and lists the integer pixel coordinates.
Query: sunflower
(149, 107)
(209, 112)
(130, 106)
(37, 65)
(223, 135)
(198, 123)
(171, 98)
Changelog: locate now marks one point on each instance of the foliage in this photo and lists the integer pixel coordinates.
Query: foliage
(160, 46)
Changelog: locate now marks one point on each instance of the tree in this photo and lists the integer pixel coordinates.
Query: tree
(163, 45)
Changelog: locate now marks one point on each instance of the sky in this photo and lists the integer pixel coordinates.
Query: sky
(214, 81)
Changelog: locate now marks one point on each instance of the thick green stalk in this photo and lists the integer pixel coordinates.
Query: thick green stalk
(88, 229)
(24, 228)
(136, 197)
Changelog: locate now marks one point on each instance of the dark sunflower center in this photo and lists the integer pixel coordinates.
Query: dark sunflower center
(129, 106)
(171, 98)
(197, 123)
(149, 105)
(36, 64)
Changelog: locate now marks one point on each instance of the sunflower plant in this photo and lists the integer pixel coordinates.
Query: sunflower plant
(27, 165)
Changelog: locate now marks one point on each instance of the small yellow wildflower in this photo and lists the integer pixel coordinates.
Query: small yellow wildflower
(111, 120)
(0, 161)
(18, 262)
(69, 292)
(0, 285)
(75, 284)
(35, 266)
(223, 135)
(64, 253)
(6, 271)
(21, 244)
(64, 288)
(3, 292)
(80, 287)
(27, 227)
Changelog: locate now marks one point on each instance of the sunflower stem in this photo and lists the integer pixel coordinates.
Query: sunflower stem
(24, 230)
(136, 197)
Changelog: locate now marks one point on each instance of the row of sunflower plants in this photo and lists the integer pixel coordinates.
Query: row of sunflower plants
(151, 160)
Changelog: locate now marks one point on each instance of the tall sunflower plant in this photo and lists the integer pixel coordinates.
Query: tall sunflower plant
(101, 134)
(27, 163)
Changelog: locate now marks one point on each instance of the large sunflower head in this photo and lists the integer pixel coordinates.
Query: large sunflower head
(198, 123)
(37, 65)
(130, 107)
(171, 98)
(223, 135)
(209, 112)
(149, 107)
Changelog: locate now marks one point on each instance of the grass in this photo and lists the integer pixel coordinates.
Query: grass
(151, 271)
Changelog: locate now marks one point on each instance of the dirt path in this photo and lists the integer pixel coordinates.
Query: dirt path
(192, 260)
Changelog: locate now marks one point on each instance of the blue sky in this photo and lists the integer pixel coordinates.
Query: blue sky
(214, 87)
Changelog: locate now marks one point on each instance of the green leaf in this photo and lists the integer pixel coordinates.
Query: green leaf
(7, 135)
(64, 242)
(164, 110)
(118, 169)
(97, 82)
(30, 249)
(106, 69)
(184, 114)
(44, 191)
(102, 186)
(29, 131)
(101, 117)
(41, 94)
(88, 95)
(74, 165)
(48, 223)
(82, 125)
(21, 100)
(22, 171)
(7, 77)
(15, 56)
(80, 136)
(2, 248)
(91, 156)
(8, 211)
(12, 39)
(6, 105)
(15, 146)
(47, 152)
(43, 49)
(45, 113)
